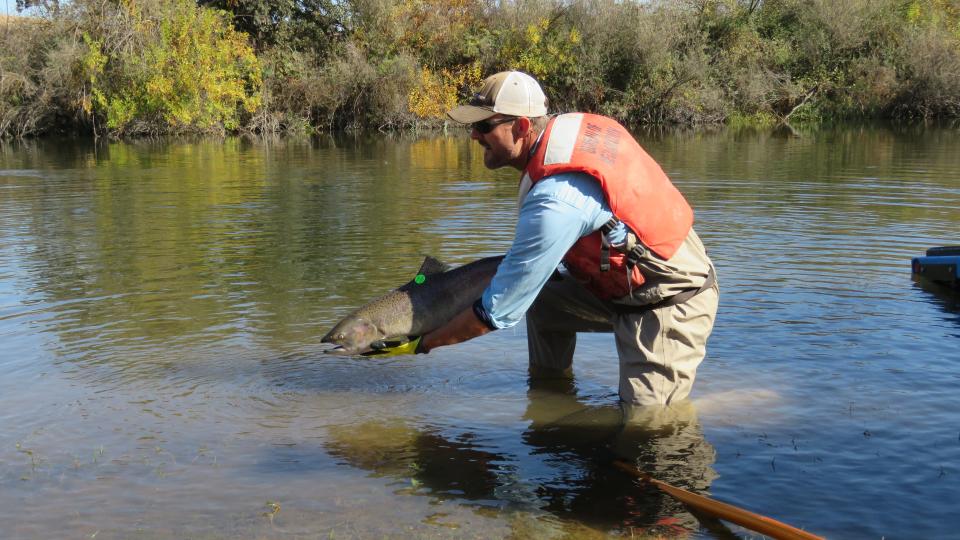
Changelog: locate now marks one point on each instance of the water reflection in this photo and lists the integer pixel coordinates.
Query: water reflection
(147, 243)
(435, 463)
(945, 297)
(562, 469)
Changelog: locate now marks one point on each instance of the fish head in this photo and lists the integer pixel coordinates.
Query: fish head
(352, 336)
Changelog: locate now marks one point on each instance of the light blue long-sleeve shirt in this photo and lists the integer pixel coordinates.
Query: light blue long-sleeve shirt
(556, 212)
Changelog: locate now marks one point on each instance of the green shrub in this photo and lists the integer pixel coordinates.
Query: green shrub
(149, 66)
(26, 105)
(186, 69)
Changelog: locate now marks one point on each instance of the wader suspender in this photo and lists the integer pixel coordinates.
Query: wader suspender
(634, 253)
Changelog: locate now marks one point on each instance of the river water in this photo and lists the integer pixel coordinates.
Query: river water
(162, 376)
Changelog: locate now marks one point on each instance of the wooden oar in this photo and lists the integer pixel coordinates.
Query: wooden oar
(744, 518)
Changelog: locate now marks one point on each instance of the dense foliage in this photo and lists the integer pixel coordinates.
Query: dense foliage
(152, 66)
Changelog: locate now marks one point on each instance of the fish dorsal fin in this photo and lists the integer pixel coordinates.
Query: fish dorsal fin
(432, 266)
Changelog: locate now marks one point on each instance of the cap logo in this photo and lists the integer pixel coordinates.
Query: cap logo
(479, 99)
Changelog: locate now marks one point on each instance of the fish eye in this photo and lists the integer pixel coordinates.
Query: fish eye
(340, 335)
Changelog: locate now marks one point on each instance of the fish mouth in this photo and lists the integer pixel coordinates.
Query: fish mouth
(341, 350)
(333, 346)
(338, 350)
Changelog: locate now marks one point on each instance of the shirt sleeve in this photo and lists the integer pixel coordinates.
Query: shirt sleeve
(554, 215)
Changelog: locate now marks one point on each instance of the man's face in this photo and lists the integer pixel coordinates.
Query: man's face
(501, 146)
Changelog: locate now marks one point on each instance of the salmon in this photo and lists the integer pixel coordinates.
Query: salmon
(436, 295)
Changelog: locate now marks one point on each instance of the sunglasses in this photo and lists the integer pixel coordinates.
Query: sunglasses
(486, 126)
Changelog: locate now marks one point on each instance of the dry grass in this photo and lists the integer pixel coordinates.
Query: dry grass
(11, 20)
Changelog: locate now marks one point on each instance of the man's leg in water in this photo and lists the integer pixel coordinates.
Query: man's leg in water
(562, 309)
(660, 350)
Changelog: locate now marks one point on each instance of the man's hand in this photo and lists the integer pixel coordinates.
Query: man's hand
(396, 347)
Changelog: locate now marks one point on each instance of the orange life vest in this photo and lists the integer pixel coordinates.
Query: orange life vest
(637, 191)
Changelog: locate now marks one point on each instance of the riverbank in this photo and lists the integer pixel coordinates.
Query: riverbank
(147, 67)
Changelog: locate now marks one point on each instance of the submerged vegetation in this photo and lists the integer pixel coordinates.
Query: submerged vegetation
(128, 67)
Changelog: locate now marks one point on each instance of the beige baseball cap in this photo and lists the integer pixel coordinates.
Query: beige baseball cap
(513, 93)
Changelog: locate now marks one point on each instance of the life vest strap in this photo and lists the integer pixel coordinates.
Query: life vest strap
(605, 231)
(633, 248)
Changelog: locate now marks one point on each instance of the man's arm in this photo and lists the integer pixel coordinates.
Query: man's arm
(464, 326)
(557, 212)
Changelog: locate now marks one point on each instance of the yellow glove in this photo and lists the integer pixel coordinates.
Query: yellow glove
(396, 347)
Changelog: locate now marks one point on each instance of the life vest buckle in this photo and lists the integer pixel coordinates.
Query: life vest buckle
(635, 254)
(632, 247)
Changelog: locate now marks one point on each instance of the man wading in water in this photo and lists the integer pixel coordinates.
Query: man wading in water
(592, 198)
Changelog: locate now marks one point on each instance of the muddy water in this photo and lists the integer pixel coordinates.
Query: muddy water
(161, 376)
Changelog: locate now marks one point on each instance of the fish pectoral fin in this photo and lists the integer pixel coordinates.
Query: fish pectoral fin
(394, 346)
(389, 343)
(432, 266)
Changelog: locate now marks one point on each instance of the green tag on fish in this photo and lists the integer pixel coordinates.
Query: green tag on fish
(419, 279)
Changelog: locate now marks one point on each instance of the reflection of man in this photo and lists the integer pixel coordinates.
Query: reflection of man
(666, 442)
(455, 467)
(591, 197)
(563, 466)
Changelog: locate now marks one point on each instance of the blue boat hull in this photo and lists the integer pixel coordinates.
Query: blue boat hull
(941, 265)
